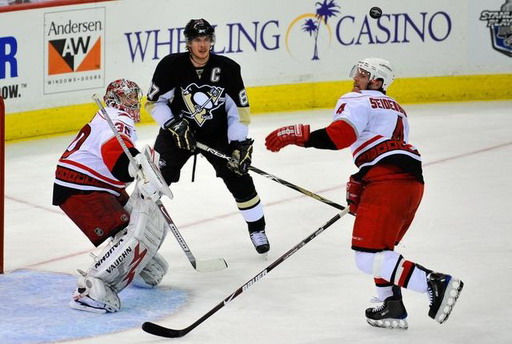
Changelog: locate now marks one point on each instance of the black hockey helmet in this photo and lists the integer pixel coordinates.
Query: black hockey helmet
(199, 27)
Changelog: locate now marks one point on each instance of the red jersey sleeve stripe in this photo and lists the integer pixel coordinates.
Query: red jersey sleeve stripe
(341, 134)
(112, 150)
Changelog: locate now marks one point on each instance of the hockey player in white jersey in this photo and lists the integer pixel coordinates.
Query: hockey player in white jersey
(384, 194)
(89, 186)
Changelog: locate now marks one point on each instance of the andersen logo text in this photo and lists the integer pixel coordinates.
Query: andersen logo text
(74, 49)
(71, 27)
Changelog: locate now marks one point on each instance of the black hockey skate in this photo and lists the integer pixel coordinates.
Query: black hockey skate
(391, 314)
(443, 291)
(260, 241)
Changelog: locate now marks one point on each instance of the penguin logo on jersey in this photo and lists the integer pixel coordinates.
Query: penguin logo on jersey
(201, 101)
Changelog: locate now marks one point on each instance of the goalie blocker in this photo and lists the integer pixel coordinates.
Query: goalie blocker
(132, 254)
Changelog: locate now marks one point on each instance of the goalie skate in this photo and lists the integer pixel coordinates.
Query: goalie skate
(93, 295)
(443, 290)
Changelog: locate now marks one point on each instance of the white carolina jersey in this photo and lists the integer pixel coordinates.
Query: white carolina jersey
(381, 127)
(86, 164)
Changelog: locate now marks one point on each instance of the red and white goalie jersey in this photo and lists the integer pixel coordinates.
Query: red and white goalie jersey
(95, 161)
(381, 129)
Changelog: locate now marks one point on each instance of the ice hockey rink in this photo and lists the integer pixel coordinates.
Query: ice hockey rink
(317, 295)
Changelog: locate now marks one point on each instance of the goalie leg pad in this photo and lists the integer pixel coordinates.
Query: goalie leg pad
(152, 273)
(131, 249)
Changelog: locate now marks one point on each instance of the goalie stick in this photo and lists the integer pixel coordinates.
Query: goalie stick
(274, 178)
(199, 265)
(162, 331)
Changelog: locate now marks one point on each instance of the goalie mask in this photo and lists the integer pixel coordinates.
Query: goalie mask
(199, 27)
(124, 95)
(376, 68)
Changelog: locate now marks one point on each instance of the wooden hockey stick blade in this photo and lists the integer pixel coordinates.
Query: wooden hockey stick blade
(209, 265)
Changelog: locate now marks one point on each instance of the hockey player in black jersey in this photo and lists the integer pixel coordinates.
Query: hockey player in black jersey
(198, 96)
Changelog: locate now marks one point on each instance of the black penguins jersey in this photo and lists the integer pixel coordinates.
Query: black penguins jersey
(212, 97)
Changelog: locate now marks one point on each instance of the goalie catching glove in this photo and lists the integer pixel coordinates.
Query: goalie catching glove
(291, 134)
(181, 133)
(240, 156)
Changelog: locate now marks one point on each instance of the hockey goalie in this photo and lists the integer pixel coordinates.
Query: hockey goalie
(90, 187)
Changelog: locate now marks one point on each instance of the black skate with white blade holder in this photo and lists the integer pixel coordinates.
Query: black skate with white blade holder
(444, 290)
(391, 314)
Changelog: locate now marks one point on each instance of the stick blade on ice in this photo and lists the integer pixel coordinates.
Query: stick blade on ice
(211, 265)
(161, 331)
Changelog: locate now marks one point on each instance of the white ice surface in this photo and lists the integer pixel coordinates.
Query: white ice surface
(317, 296)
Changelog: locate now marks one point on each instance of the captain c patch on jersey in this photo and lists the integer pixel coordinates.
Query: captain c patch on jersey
(201, 101)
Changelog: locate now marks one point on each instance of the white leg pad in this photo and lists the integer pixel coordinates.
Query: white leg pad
(152, 273)
(131, 250)
(125, 256)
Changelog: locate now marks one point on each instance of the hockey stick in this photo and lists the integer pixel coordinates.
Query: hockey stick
(215, 264)
(161, 331)
(198, 265)
(274, 178)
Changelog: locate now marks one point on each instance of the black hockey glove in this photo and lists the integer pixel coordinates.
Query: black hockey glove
(240, 156)
(181, 133)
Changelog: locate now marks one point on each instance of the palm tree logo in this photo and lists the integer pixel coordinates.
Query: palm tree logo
(324, 10)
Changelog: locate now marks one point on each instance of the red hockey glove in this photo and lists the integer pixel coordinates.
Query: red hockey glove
(292, 134)
(354, 190)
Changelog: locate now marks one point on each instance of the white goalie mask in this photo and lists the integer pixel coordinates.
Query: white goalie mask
(377, 68)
